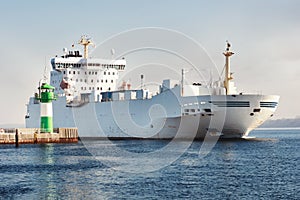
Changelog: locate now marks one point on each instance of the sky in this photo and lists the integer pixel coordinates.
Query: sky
(264, 36)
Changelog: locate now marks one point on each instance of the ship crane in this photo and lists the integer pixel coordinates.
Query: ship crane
(85, 42)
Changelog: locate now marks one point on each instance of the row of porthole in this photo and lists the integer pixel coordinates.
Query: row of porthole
(194, 110)
(92, 88)
(90, 73)
(81, 80)
(92, 80)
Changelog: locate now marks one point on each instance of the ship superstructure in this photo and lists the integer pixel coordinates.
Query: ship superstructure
(74, 75)
(89, 98)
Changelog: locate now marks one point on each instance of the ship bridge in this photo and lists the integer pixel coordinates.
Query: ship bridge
(63, 62)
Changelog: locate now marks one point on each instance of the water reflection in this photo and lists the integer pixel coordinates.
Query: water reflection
(46, 158)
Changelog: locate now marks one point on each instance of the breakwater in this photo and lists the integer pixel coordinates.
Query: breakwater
(34, 136)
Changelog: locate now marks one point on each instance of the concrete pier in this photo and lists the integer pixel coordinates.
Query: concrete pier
(34, 136)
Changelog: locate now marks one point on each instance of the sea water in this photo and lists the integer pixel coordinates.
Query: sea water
(263, 168)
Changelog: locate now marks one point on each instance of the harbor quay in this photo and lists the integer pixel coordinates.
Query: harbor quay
(35, 136)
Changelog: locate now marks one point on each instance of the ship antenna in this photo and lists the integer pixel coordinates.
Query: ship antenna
(182, 81)
(142, 81)
(85, 42)
(112, 51)
(228, 76)
(45, 71)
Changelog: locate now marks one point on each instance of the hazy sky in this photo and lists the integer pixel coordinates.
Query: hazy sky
(264, 35)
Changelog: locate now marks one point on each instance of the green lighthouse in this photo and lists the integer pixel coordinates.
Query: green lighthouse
(46, 97)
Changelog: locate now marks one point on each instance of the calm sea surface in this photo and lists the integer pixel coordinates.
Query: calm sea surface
(268, 168)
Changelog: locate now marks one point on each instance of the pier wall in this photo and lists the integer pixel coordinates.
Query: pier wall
(34, 136)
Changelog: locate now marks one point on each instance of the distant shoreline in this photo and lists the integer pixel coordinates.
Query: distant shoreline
(277, 128)
(282, 123)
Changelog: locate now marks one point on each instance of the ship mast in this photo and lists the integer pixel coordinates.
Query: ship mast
(182, 81)
(228, 76)
(85, 42)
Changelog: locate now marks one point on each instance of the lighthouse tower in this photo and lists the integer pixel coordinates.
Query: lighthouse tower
(46, 97)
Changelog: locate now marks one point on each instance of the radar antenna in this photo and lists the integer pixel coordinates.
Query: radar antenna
(85, 42)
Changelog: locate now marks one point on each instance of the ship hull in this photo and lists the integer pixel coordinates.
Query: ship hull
(165, 116)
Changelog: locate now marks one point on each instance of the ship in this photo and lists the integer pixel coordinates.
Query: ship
(89, 98)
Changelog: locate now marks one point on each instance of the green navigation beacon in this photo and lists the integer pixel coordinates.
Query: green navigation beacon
(46, 96)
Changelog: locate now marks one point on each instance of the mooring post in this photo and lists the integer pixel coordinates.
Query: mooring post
(17, 138)
(35, 137)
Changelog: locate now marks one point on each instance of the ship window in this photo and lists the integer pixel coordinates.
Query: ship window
(101, 80)
(97, 80)
(112, 81)
(97, 88)
(80, 80)
(207, 110)
(64, 72)
(89, 73)
(193, 110)
(92, 80)
(74, 72)
(104, 73)
(186, 110)
(256, 110)
(85, 73)
(101, 88)
(95, 73)
(89, 88)
(69, 72)
(113, 73)
(78, 72)
(109, 89)
(108, 73)
(81, 88)
(85, 80)
(106, 81)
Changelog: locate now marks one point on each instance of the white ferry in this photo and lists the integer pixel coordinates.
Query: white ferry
(89, 98)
